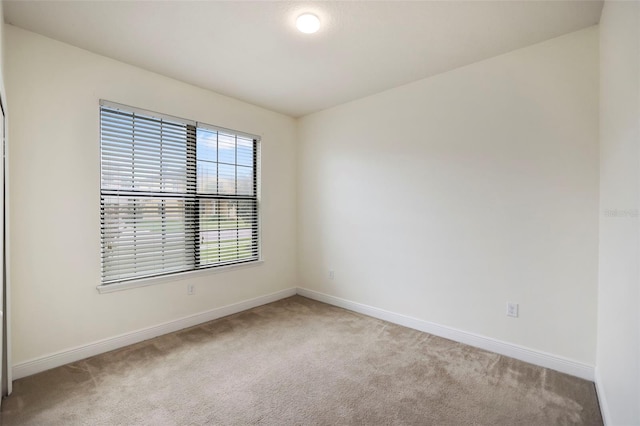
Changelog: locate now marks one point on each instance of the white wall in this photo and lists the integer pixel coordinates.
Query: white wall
(618, 353)
(54, 90)
(446, 198)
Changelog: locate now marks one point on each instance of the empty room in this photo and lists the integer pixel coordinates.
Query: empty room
(320, 213)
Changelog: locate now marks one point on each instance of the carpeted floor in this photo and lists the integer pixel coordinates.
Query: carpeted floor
(297, 361)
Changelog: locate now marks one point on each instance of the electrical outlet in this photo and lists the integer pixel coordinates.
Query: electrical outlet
(512, 309)
(331, 274)
(191, 289)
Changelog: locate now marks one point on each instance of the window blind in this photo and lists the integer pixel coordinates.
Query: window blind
(176, 195)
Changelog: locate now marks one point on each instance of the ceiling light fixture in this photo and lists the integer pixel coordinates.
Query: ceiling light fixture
(308, 23)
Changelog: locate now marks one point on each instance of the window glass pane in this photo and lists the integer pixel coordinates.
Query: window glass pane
(221, 224)
(226, 179)
(246, 213)
(226, 148)
(245, 180)
(206, 145)
(207, 177)
(209, 232)
(228, 231)
(247, 229)
(245, 152)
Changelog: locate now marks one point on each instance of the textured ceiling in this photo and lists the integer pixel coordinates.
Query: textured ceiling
(252, 51)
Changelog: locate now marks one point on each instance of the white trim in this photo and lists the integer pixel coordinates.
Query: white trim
(143, 282)
(7, 238)
(522, 353)
(535, 357)
(602, 399)
(145, 112)
(57, 359)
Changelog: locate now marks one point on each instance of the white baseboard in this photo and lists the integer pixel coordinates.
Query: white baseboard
(542, 359)
(602, 399)
(57, 359)
(531, 356)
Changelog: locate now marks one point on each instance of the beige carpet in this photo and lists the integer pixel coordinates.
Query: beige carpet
(300, 362)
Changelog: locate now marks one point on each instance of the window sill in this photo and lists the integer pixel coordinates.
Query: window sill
(144, 282)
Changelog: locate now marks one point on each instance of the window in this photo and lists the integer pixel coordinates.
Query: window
(175, 195)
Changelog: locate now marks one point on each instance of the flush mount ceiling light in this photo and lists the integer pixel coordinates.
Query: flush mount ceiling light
(308, 23)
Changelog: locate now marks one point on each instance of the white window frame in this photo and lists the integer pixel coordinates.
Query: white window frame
(198, 270)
